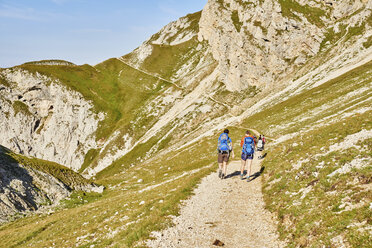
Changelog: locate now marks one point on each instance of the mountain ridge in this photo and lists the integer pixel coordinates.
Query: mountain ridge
(130, 118)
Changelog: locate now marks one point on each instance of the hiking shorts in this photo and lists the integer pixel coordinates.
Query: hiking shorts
(223, 157)
(246, 156)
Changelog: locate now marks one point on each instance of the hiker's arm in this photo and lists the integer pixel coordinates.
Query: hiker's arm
(232, 150)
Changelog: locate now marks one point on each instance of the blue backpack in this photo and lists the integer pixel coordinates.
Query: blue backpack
(223, 143)
(248, 147)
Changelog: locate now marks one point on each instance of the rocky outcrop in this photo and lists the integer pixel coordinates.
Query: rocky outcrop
(174, 33)
(40, 117)
(23, 188)
(260, 42)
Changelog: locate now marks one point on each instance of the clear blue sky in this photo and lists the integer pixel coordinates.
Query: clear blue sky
(82, 31)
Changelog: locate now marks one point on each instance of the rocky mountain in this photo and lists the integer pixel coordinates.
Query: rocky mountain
(30, 184)
(139, 122)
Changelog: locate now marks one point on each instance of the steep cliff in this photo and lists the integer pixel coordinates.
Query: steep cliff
(263, 42)
(29, 184)
(144, 124)
(40, 117)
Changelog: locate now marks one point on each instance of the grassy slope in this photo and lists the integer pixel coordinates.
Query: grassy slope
(62, 173)
(125, 221)
(132, 221)
(120, 97)
(312, 14)
(317, 218)
(114, 95)
(114, 88)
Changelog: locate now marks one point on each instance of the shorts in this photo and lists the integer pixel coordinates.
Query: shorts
(223, 157)
(246, 156)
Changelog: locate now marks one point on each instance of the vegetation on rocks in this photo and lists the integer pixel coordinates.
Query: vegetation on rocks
(319, 191)
(235, 19)
(65, 175)
(313, 14)
(314, 206)
(19, 106)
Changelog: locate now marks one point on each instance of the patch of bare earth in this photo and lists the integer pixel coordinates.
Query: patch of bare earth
(230, 210)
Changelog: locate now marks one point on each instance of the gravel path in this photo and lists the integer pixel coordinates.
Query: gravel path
(229, 210)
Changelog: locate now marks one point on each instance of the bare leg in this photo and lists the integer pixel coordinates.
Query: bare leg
(249, 167)
(220, 166)
(224, 167)
(242, 167)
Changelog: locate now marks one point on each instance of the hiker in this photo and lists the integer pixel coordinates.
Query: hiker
(224, 149)
(248, 144)
(260, 146)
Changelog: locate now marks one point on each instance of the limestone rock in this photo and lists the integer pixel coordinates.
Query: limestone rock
(41, 118)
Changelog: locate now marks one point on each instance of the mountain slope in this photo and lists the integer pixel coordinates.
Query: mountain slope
(29, 184)
(144, 124)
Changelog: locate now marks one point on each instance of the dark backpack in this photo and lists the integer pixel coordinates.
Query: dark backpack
(248, 146)
(223, 143)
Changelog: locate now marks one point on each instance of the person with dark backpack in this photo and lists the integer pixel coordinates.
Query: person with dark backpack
(224, 148)
(248, 144)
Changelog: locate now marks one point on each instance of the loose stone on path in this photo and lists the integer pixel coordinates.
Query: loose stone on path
(230, 211)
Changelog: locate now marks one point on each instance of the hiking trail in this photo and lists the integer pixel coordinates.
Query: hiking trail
(230, 210)
(169, 81)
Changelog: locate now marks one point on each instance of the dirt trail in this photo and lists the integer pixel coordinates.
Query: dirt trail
(230, 210)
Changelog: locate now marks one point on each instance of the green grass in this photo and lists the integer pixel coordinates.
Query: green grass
(107, 91)
(165, 60)
(234, 98)
(368, 43)
(312, 221)
(193, 19)
(65, 175)
(120, 97)
(332, 37)
(312, 14)
(64, 62)
(3, 81)
(305, 103)
(118, 208)
(89, 158)
(298, 222)
(20, 107)
(236, 21)
(259, 24)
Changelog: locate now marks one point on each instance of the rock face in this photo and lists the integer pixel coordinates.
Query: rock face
(259, 42)
(24, 188)
(206, 57)
(40, 117)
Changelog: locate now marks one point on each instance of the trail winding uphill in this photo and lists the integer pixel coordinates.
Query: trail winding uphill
(230, 210)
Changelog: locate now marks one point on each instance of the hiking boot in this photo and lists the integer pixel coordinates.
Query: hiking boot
(220, 174)
(223, 176)
(241, 176)
(248, 179)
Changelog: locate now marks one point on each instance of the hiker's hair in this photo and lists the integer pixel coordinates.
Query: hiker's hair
(226, 130)
(247, 132)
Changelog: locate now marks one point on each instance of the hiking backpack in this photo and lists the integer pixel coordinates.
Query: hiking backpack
(260, 143)
(248, 146)
(223, 143)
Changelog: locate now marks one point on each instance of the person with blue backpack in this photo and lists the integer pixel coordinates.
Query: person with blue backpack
(248, 145)
(224, 148)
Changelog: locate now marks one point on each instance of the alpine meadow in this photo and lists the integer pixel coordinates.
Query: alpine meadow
(121, 153)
